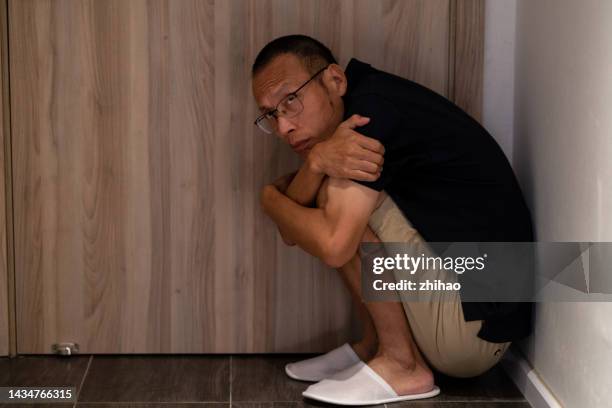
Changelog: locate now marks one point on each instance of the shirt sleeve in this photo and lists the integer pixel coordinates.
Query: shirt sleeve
(383, 126)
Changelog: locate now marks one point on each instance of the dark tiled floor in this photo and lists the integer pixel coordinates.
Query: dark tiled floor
(217, 381)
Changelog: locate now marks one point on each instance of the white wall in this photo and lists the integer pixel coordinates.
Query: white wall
(563, 157)
(498, 76)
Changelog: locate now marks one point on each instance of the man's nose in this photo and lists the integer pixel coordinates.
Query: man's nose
(284, 127)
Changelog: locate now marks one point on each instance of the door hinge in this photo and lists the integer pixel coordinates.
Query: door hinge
(65, 349)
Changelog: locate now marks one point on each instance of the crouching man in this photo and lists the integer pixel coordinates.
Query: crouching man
(443, 179)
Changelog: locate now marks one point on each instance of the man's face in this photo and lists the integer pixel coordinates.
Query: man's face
(323, 106)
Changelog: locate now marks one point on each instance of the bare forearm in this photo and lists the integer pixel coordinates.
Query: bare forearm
(289, 216)
(305, 185)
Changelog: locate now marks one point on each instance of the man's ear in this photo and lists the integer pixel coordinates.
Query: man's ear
(335, 79)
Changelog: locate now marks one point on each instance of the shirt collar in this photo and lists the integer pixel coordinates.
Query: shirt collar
(355, 71)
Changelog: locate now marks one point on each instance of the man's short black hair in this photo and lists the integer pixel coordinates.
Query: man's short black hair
(313, 54)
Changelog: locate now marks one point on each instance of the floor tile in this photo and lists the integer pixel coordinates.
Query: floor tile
(153, 405)
(262, 378)
(178, 378)
(493, 385)
(36, 405)
(294, 404)
(410, 404)
(43, 371)
(464, 404)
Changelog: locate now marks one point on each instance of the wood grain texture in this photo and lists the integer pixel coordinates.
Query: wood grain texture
(137, 170)
(6, 297)
(114, 182)
(469, 56)
(407, 38)
(283, 300)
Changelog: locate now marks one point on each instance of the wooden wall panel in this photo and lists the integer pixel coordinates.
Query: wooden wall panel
(283, 292)
(5, 198)
(137, 170)
(468, 56)
(113, 177)
(407, 38)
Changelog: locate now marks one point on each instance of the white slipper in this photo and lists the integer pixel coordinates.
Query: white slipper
(359, 385)
(323, 366)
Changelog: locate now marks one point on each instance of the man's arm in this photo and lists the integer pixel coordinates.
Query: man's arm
(346, 154)
(305, 185)
(331, 233)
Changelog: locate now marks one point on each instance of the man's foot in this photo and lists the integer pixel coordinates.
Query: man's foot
(366, 350)
(361, 385)
(403, 377)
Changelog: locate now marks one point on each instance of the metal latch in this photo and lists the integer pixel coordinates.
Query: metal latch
(65, 349)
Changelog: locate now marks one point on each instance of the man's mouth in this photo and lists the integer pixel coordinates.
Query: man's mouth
(300, 146)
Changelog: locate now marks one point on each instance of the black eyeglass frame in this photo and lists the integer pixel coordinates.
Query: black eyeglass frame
(294, 93)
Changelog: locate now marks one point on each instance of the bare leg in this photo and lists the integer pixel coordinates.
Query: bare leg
(397, 359)
(365, 348)
(387, 344)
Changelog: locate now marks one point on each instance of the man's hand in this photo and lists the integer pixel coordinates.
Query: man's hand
(348, 154)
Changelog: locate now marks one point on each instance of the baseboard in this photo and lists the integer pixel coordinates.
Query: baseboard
(528, 381)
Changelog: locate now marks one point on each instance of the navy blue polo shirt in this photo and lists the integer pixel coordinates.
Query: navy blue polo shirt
(447, 175)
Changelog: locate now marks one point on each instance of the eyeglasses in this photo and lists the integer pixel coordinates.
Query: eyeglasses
(288, 107)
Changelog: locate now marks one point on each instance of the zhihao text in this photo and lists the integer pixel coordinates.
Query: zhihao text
(426, 285)
(412, 264)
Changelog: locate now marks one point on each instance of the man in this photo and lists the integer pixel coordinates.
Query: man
(443, 171)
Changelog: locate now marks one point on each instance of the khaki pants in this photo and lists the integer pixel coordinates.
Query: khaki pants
(446, 340)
